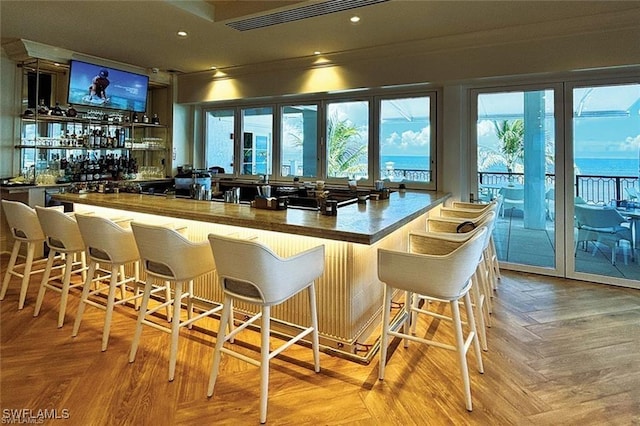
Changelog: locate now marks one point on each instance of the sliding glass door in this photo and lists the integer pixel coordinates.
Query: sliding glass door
(516, 160)
(566, 160)
(605, 136)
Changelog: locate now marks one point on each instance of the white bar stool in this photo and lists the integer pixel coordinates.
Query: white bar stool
(107, 242)
(25, 228)
(64, 240)
(445, 276)
(169, 257)
(492, 255)
(250, 272)
(436, 242)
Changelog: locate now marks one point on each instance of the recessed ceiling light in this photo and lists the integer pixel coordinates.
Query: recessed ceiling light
(317, 52)
(355, 19)
(182, 33)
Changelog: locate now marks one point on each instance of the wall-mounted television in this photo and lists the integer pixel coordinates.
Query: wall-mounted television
(105, 87)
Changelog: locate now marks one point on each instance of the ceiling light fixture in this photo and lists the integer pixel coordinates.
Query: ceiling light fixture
(182, 34)
(355, 19)
(317, 52)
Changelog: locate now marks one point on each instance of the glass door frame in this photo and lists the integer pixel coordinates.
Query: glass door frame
(560, 241)
(569, 87)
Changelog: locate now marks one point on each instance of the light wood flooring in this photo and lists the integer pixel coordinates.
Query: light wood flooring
(560, 352)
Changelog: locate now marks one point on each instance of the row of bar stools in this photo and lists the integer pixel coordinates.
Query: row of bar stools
(442, 272)
(25, 229)
(107, 243)
(63, 238)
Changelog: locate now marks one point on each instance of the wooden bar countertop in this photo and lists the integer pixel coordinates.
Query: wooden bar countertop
(356, 223)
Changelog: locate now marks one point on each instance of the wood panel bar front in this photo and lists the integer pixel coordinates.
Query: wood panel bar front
(349, 292)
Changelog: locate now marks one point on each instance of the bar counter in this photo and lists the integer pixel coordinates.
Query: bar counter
(356, 223)
(349, 294)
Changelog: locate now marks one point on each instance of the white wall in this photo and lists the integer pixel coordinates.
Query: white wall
(9, 110)
(451, 63)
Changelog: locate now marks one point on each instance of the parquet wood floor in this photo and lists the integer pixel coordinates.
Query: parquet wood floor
(560, 352)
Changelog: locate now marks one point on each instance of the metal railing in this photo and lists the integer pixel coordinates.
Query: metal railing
(594, 189)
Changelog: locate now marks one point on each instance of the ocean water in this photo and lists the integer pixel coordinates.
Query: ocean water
(608, 166)
(586, 166)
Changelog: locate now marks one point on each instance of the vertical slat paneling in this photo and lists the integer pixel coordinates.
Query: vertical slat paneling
(349, 294)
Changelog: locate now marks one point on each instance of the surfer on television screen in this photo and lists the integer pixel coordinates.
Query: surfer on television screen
(99, 86)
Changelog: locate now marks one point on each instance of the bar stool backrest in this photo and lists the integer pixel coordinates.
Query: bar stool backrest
(249, 270)
(61, 230)
(106, 241)
(23, 221)
(444, 276)
(168, 255)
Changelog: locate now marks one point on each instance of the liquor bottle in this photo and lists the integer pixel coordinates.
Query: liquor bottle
(135, 117)
(155, 119)
(145, 118)
(42, 108)
(71, 111)
(57, 111)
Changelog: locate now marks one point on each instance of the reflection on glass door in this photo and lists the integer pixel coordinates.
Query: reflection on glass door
(516, 161)
(606, 139)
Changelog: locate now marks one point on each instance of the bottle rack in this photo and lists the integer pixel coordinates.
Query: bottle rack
(56, 147)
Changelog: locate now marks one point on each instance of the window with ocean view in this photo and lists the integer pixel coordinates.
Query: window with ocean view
(388, 135)
(405, 139)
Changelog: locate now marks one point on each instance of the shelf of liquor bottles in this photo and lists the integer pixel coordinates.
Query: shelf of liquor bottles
(52, 132)
(57, 149)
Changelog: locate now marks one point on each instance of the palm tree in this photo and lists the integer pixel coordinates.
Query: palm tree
(511, 136)
(345, 150)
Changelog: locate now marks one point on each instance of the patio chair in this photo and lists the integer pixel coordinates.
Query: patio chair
(603, 225)
(632, 193)
(513, 198)
(550, 203)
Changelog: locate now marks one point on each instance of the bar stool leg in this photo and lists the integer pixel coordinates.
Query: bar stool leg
(123, 285)
(10, 267)
(31, 248)
(110, 303)
(65, 289)
(384, 338)
(167, 297)
(472, 325)
(143, 312)
(220, 338)
(45, 279)
(190, 303)
(175, 329)
(315, 342)
(462, 359)
(478, 310)
(85, 295)
(83, 260)
(264, 362)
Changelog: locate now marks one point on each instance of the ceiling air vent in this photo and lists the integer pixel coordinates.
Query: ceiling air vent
(304, 12)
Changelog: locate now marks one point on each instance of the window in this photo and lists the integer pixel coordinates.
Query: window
(406, 148)
(219, 139)
(257, 133)
(388, 135)
(299, 141)
(347, 136)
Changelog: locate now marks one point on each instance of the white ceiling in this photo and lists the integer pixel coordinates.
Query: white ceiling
(143, 33)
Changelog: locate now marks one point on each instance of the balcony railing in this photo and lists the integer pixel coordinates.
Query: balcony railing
(593, 189)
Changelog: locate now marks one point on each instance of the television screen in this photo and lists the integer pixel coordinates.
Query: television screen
(106, 87)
